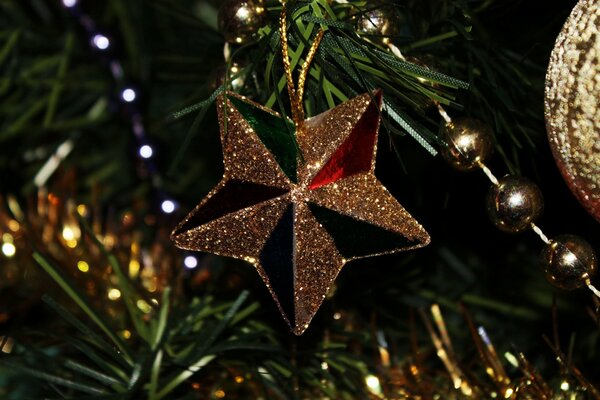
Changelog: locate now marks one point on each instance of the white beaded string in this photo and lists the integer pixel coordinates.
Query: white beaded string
(593, 288)
(396, 51)
(488, 173)
(444, 114)
(441, 110)
(539, 232)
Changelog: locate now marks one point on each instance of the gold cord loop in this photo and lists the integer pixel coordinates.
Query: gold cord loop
(296, 94)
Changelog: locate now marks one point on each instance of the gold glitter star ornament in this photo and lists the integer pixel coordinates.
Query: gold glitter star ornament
(299, 201)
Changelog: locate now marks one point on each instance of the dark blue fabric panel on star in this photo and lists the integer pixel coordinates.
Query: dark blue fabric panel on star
(277, 260)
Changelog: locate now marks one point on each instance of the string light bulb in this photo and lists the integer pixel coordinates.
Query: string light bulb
(83, 266)
(128, 95)
(146, 151)
(373, 384)
(69, 3)
(100, 41)
(114, 294)
(168, 206)
(190, 262)
(9, 249)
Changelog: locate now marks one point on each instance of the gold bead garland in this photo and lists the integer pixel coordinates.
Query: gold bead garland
(514, 203)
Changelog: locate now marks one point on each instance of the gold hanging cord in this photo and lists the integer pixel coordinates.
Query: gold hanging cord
(296, 94)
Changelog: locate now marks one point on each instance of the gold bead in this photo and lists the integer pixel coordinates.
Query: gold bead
(240, 20)
(569, 261)
(466, 142)
(514, 203)
(380, 22)
(235, 75)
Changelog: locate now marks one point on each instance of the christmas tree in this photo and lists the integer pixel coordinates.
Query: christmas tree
(183, 181)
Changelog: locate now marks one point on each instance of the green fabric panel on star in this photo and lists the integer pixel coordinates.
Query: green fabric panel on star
(277, 134)
(354, 238)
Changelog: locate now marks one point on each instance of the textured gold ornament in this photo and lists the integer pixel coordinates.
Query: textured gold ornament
(573, 103)
(299, 203)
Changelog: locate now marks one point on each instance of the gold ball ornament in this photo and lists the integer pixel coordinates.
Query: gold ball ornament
(572, 102)
(514, 204)
(240, 20)
(380, 22)
(235, 74)
(467, 142)
(569, 261)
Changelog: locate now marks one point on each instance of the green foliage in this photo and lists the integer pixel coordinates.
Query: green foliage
(169, 345)
(53, 89)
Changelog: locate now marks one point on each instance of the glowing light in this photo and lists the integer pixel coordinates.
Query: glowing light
(151, 285)
(7, 344)
(564, 386)
(134, 268)
(82, 210)
(83, 266)
(373, 383)
(114, 294)
(324, 366)
(168, 206)
(126, 334)
(71, 233)
(219, 394)
(13, 225)
(146, 151)
(511, 359)
(52, 165)
(384, 354)
(109, 241)
(190, 262)
(69, 3)
(337, 315)
(128, 95)
(101, 41)
(239, 379)
(68, 233)
(143, 306)
(9, 249)
(508, 394)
